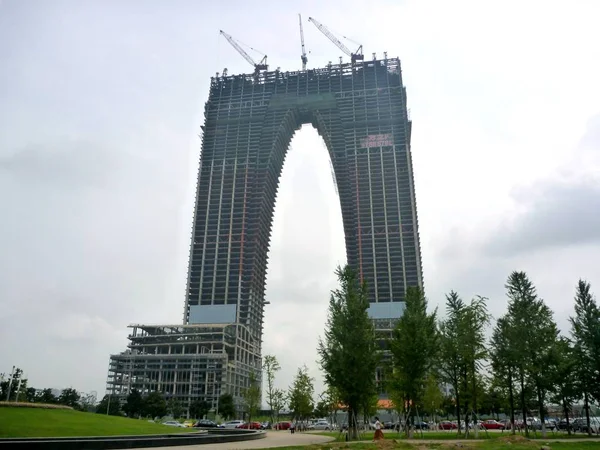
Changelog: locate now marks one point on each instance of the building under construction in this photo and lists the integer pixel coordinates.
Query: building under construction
(360, 110)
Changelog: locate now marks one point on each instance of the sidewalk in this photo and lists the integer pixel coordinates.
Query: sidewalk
(273, 439)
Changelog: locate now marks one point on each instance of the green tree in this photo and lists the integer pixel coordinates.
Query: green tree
(301, 395)
(504, 362)
(16, 383)
(199, 408)
(155, 405)
(433, 398)
(174, 407)
(271, 367)
(30, 395)
(278, 402)
(111, 403)
(349, 352)
(585, 331)
(566, 389)
(251, 396)
(533, 336)
(88, 402)
(413, 345)
(474, 351)
(69, 397)
(321, 409)
(46, 396)
(226, 406)
(134, 404)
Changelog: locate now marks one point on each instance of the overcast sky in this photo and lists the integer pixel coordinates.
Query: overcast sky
(100, 108)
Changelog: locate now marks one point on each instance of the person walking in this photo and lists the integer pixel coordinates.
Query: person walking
(378, 432)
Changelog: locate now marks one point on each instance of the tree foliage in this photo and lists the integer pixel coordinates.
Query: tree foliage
(279, 399)
(69, 397)
(174, 407)
(46, 396)
(301, 395)
(532, 334)
(13, 386)
(226, 406)
(199, 408)
(414, 346)
(566, 389)
(251, 396)
(585, 331)
(110, 403)
(271, 367)
(134, 404)
(155, 404)
(349, 353)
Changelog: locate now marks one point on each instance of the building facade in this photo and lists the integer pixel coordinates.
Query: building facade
(360, 110)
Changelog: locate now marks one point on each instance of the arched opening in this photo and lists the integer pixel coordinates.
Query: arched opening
(307, 243)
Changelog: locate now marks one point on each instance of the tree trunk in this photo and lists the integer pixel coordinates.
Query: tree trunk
(458, 409)
(566, 411)
(474, 407)
(352, 424)
(511, 399)
(542, 415)
(523, 405)
(586, 405)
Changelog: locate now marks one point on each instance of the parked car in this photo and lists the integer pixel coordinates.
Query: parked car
(493, 425)
(232, 424)
(205, 423)
(322, 425)
(562, 424)
(447, 425)
(420, 425)
(282, 425)
(250, 426)
(173, 423)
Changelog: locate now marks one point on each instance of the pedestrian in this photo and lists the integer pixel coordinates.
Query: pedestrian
(378, 433)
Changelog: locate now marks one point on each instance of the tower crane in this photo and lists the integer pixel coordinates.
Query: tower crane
(304, 58)
(356, 56)
(262, 65)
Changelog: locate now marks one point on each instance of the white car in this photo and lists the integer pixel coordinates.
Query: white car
(233, 424)
(174, 423)
(322, 425)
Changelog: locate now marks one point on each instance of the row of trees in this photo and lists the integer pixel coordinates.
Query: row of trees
(14, 387)
(526, 365)
(155, 404)
(298, 398)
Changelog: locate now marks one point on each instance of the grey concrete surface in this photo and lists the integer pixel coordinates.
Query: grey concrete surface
(274, 439)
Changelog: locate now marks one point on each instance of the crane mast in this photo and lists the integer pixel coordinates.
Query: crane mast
(356, 56)
(262, 65)
(303, 57)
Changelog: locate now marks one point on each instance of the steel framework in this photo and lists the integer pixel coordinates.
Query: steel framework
(360, 111)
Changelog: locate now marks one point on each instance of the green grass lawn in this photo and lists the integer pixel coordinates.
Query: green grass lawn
(490, 444)
(33, 422)
(453, 435)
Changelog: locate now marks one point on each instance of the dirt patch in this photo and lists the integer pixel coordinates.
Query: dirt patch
(521, 440)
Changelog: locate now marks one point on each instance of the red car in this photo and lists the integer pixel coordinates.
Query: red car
(447, 425)
(250, 426)
(282, 425)
(493, 425)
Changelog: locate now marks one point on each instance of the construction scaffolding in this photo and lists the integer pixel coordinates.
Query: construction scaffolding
(360, 111)
(185, 362)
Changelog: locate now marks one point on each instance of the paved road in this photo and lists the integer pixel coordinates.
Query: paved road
(273, 439)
